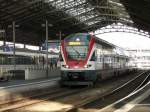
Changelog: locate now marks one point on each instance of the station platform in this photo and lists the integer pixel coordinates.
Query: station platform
(13, 83)
(138, 101)
(14, 89)
(143, 106)
(34, 76)
(28, 72)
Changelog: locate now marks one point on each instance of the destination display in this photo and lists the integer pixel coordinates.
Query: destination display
(76, 43)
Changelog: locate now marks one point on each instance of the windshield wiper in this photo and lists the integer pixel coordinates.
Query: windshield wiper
(76, 51)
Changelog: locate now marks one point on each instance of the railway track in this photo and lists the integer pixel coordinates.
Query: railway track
(140, 93)
(27, 96)
(93, 103)
(38, 98)
(80, 99)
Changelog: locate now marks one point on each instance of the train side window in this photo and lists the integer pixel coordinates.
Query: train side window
(100, 58)
(118, 59)
(93, 58)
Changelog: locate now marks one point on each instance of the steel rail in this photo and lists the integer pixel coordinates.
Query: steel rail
(89, 100)
(41, 98)
(133, 94)
(145, 81)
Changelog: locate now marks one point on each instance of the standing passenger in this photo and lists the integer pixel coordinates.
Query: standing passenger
(51, 64)
(55, 63)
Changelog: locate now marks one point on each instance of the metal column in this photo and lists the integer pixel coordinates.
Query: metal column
(46, 26)
(14, 41)
(60, 36)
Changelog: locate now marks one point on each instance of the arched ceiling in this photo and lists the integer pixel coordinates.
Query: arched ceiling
(139, 11)
(69, 16)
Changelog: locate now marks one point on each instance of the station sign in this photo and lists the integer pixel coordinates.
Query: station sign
(53, 46)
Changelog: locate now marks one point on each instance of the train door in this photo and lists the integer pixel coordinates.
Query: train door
(99, 61)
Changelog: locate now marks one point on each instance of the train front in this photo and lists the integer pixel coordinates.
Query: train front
(77, 60)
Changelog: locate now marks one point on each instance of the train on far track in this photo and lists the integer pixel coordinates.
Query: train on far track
(85, 59)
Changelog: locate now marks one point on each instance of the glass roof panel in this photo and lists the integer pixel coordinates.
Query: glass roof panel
(86, 12)
(75, 8)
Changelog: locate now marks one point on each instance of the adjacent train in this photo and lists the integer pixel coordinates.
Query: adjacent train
(86, 59)
(23, 59)
(7, 59)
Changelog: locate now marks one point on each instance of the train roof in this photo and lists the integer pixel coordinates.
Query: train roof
(98, 40)
(104, 43)
(117, 55)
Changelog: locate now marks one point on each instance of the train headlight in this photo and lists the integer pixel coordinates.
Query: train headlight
(87, 66)
(65, 66)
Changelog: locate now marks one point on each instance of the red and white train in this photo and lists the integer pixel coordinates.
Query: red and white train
(86, 59)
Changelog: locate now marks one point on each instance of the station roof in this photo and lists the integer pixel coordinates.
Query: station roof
(68, 16)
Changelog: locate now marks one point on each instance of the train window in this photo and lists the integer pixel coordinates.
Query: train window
(118, 59)
(101, 59)
(93, 58)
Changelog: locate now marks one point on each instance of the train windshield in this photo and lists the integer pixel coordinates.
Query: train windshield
(77, 46)
(77, 52)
